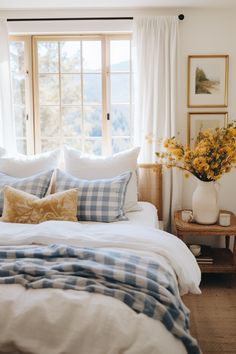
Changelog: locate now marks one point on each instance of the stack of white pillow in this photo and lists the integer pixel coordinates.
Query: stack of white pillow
(79, 166)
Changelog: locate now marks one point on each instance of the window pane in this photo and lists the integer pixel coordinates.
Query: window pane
(120, 55)
(20, 121)
(18, 80)
(92, 61)
(49, 144)
(17, 56)
(71, 121)
(132, 87)
(92, 121)
(48, 57)
(120, 120)
(93, 147)
(70, 56)
(21, 146)
(71, 89)
(18, 83)
(49, 121)
(120, 88)
(48, 89)
(92, 88)
(75, 143)
(120, 144)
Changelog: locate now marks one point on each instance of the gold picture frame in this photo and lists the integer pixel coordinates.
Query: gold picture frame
(198, 121)
(208, 80)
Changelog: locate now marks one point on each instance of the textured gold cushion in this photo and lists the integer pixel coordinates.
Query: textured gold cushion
(22, 207)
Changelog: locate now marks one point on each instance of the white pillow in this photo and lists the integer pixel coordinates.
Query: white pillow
(2, 151)
(96, 167)
(24, 166)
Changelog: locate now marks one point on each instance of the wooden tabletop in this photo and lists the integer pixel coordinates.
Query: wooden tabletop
(199, 229)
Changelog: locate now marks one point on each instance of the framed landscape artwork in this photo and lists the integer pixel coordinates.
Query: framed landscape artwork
(208, 80)
(199, 121)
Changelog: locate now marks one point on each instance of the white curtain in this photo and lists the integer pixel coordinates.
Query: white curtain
(156, 69)
(7, 126)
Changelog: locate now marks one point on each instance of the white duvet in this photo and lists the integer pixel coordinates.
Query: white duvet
(53, 321)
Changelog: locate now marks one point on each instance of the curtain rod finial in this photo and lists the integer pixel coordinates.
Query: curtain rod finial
(181, 17)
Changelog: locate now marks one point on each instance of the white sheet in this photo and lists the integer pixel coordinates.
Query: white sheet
(57, 321)
(146, 216)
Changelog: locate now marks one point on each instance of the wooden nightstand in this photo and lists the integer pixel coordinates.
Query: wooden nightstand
(224, 261)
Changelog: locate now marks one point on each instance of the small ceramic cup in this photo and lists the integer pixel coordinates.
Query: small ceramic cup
(224, 219)
(187, 215)
(195, 249)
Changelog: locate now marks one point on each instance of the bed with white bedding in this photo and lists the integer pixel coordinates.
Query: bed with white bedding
(69, 321)
(126, 301)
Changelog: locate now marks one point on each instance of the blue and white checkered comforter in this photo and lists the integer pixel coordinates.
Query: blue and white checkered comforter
(140, 282)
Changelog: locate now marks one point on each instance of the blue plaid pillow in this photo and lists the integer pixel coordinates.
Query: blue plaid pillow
(99, 200)
(36, 184)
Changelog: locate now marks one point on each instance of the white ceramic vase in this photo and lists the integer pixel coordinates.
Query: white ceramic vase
(205, 203)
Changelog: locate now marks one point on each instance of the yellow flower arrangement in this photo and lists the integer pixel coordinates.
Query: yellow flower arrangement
(213, 155)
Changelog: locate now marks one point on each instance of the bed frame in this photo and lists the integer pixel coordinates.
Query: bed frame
(150, 185)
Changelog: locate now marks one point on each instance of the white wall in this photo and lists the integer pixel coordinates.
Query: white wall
(203, 31)
(209, 32)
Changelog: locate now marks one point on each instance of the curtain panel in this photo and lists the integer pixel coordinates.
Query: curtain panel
(7, 126)
(155, 118)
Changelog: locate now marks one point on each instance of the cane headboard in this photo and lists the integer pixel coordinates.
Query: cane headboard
(150, 185)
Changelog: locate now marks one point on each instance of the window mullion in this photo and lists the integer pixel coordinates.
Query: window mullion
(106, 95)
(131, 103)
(60, 95)
(37, 130)
(28, 96)
(82, 95)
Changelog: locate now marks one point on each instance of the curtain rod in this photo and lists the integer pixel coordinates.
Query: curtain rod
(181, 17)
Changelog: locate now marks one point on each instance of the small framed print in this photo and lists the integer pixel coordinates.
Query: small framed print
(208, 80)
(199, 121)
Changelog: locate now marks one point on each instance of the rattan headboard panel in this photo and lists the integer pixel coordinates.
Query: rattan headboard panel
(150, 185)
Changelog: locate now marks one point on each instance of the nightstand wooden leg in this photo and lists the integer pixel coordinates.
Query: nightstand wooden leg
(229, 280)
(227, 238)
(234, 253)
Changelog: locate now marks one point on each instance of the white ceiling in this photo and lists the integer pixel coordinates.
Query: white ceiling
(99, 4)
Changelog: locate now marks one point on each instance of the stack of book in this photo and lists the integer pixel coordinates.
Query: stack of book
(204, 260)
(205, 256)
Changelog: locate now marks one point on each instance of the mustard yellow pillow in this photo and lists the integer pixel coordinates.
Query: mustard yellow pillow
(22, 207)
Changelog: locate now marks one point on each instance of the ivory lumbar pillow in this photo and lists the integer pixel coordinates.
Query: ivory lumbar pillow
(22, 207)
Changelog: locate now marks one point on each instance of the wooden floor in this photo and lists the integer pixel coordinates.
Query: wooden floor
(213, 315)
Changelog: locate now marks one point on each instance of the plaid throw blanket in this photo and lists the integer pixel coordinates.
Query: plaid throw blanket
(141, 283)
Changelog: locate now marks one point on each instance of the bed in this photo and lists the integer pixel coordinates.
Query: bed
(127, 298)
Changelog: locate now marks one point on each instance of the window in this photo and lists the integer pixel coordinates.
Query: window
(82, 93)
(21, 92)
